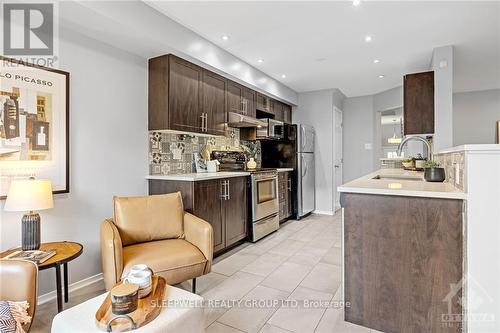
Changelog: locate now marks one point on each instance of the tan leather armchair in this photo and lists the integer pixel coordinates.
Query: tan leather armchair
(19, 282)
(155, 230)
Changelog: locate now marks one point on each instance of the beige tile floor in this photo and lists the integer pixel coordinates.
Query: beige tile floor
(274, 278)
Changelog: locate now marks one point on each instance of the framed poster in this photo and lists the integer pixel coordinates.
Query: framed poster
(34, 124)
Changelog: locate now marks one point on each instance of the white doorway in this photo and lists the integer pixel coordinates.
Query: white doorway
(338, 160)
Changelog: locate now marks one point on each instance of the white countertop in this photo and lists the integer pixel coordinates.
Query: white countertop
(474, 147)
(284, 169)
(194, 177)
(401, 187)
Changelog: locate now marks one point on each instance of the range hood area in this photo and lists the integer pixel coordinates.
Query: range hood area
(241, 121)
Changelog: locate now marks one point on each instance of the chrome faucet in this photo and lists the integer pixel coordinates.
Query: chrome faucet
(418, 138)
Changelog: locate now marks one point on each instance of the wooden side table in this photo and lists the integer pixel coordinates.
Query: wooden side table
(65, 252)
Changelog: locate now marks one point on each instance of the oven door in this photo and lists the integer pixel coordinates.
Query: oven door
(265, 200)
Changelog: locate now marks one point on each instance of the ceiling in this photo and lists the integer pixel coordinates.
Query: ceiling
(321, 45)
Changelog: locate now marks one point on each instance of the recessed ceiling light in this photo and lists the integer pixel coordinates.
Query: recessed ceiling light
(283, 76)
(260, 61)
(368, 39)
(225, 37)
(381, 76)
(376, 61)
(356, 3)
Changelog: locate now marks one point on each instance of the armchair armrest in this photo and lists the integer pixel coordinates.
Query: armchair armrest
(111, 254)
(199, 233)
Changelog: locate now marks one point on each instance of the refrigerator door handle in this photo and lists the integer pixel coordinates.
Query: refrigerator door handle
(304, 138)
(304, 164)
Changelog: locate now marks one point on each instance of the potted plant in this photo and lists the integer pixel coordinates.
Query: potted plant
(408, 163)
(433, 172)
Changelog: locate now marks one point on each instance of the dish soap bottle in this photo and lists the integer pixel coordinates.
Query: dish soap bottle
(251, 164)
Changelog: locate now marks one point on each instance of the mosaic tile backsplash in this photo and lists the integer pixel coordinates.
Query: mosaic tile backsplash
(448, 162)
(172, 152)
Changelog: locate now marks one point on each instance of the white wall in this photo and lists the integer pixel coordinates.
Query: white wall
(316, 109)
(108, 150)
(442, 65)
(359, 124)
(474, 116)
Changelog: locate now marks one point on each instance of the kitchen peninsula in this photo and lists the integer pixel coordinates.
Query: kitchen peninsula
(413, 250)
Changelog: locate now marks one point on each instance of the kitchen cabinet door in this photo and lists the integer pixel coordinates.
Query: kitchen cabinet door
(289, 194)
(282, 193)
(214, 102)
(263, 103)
(235, 210)
(249, 101)
(235, 97)
(419, 103)
(207, 205)
(278, 110)
(287, 113)
(185, 91)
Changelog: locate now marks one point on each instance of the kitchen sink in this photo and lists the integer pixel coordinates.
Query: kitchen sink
(390, 177)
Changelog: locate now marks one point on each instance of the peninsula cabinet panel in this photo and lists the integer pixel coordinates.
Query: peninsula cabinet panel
(401, 254)
(214, 102)
(185, 96)
(235, 210)
(419, 103)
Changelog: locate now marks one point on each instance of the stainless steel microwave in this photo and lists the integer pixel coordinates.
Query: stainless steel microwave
(275, 130)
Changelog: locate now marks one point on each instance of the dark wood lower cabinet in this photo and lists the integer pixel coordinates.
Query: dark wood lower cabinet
(285, 194)
(221, 202)
(235, 210)
(401, 256)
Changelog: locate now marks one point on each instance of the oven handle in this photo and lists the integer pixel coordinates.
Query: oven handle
(264, 179)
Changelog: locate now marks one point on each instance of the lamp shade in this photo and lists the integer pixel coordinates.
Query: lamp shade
(30, 194)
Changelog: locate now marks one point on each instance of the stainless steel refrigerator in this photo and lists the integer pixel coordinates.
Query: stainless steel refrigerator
(306, 196)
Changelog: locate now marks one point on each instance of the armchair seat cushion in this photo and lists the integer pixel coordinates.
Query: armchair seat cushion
(176, 260)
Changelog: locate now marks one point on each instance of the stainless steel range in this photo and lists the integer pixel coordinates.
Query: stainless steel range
(264, 201)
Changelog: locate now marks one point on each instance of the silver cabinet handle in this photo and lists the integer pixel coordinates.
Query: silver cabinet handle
(202, 122)
(223, 190)
(289, 185)
(228, 192)
(206, 122)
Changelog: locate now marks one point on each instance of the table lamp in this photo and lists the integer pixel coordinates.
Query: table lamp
(29, 195)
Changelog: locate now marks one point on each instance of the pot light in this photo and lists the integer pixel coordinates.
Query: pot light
(260, 61)
(376, 61)
(368, 39)
(356, 3)
(381, 76)
(283, 76)
(225, 37)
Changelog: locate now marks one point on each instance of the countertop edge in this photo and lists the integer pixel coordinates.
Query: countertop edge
(199, 176)
(403, 193)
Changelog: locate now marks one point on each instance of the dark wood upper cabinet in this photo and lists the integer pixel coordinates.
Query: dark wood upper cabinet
(287, 113)
(235, 210)
(185, 95)
(174, 94)
(234, 97)
(241, 99)
(249, 101)
(214, 102)
(278, 110)
(419, 103)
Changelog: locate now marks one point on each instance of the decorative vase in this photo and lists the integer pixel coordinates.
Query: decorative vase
(251, 164)
(434, 175)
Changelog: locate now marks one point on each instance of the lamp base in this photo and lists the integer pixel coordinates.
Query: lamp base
(30, 232)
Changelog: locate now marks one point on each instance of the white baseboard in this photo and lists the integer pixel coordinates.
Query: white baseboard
(72, 287)
(323, 212)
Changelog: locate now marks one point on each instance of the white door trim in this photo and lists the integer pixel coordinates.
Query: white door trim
(335, 194)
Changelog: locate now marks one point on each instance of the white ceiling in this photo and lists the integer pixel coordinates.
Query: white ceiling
(320, 45)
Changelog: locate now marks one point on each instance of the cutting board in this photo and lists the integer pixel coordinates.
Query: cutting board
(145, 313)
